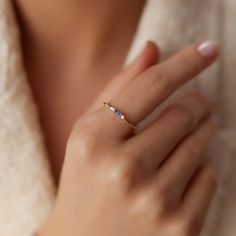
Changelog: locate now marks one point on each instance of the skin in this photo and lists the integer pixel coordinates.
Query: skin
(83, 55)
(115, 182)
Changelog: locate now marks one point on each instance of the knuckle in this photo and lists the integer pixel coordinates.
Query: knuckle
(119, 174)
(143, 202)
(83, 141)
(155, 81)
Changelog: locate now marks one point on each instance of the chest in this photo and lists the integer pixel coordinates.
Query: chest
(63, 96)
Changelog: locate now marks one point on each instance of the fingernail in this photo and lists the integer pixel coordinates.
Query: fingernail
(208, 49)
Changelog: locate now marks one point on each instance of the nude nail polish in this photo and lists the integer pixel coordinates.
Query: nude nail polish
(208, 49)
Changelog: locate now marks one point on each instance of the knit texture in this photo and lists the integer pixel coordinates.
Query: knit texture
(27, 191)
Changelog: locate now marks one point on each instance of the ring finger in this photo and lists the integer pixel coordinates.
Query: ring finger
(140, 97)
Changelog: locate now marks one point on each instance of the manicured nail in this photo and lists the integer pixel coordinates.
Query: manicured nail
(208, 49)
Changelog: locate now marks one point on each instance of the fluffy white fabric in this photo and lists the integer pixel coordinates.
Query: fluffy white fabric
(26, 187)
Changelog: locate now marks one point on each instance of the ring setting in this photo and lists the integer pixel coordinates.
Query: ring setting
(118, 113)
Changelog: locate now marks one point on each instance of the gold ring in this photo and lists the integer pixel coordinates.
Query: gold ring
(119, 114)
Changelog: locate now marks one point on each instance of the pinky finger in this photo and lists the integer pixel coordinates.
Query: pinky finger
(198, 197)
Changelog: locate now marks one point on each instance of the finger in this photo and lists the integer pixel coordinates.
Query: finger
(152, 87)
(148, 57)
(186, 159)
(197, 200)
(159, 139)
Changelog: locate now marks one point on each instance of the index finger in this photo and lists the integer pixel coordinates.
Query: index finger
(152, 87)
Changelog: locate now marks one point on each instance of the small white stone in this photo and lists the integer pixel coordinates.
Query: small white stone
(122, 117)
(112, 108)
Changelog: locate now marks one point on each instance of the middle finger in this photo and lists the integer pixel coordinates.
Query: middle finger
(177, 121)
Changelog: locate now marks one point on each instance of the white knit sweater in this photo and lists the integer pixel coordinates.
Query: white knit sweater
(26, 187)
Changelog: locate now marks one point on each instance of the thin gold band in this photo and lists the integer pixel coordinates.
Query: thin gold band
(119, 114)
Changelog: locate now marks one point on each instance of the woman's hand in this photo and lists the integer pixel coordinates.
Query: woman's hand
(156, 182)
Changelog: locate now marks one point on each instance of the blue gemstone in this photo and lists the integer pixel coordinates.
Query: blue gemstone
(117, 113)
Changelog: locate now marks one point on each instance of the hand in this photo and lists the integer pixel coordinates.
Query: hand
(157, 182)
